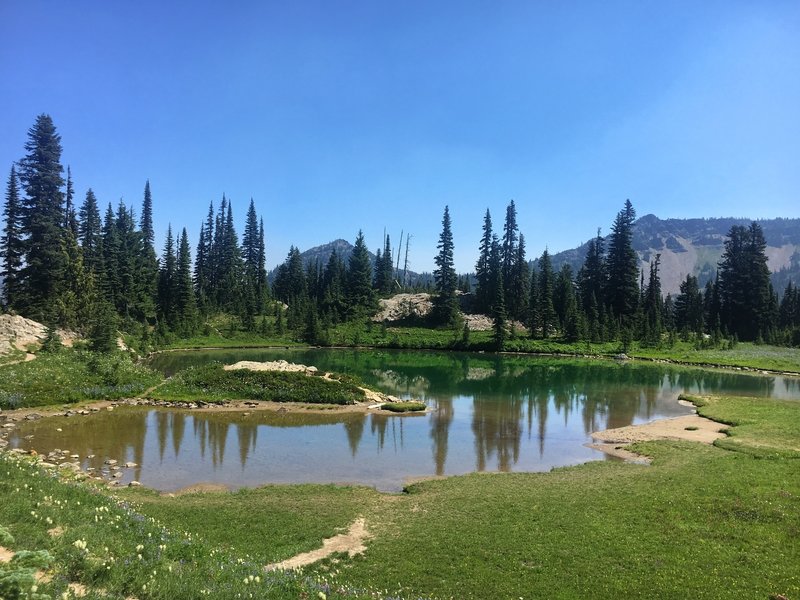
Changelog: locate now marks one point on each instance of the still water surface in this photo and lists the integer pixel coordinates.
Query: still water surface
(489, 413)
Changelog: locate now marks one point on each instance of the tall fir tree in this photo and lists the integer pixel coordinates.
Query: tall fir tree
(185, 305)
(361, 297)
(12, 244)
(204, 267)
(653, 309)
(509, 255)
(90, 234)
(45, 262)
(167, 283)
(445, 303)
(689, 306)
(484, 298)
(545, 285)
(70, 218)
(591, 278)
(518, 290)
(744, 285)
(622, 291)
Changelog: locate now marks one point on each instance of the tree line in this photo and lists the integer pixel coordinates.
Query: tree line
(610, 298)
(71, 266)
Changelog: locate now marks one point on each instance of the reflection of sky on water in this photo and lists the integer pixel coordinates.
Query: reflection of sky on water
(488, 414)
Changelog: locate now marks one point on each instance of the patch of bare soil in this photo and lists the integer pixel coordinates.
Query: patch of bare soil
(692, 428)
(197, 488)
(351, 542)
(6, 555)
(277, 365)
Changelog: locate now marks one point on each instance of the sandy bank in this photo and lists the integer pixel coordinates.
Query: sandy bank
(692, 428)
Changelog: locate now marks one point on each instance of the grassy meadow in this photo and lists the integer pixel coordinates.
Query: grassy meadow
(701, 521)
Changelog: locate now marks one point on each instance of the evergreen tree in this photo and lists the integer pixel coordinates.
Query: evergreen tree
(262, 289)
(185, 306)
(744, 285)
(384, 269)
(12, 245)
(45, 262)
(70, 218)
(290, 280)
(110, 285)
(532, 319)
(509, 255)
(360, 295)
(166, 303)
(333, 284)
(499, 317)
(445, 304)
(146, 222)
(518, 290)
(545, 284)
(591, 278)
(483, 293)
(689, 306)
(90, 234)
(563, 293)
(622, 291)
(654, 303)
(204, 267)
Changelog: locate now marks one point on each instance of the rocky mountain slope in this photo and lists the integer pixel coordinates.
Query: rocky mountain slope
(695, 246)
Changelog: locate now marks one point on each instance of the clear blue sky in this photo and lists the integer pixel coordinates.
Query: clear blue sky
(335, 116)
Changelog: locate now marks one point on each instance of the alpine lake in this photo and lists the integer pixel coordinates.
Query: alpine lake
(486, 413)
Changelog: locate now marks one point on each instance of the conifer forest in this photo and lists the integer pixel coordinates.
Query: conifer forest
(70, 262)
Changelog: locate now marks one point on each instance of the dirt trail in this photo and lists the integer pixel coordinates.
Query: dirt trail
(351, 542)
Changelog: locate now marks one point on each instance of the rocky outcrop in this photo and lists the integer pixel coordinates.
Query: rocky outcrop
(18, 333)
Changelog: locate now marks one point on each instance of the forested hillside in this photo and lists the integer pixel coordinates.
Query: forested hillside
(70, 264)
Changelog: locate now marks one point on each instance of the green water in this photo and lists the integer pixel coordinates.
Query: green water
(489, 413)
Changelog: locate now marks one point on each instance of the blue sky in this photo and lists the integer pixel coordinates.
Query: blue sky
(335, 116)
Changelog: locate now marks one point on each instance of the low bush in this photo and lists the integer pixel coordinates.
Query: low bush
(212, 383)
(402, 407)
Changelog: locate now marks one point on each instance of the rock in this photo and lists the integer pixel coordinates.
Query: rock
(47, 465)
(109, 408)
(130, 465)
(117, 475)
(74, 455)
(18, 451)
(110, 461)
(134, 484)
(33, 417)
(9, 426)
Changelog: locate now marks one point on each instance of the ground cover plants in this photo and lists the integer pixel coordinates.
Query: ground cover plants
(212, 383)
(72, 376)
(403, 407)
(701, 521)
(113, 551)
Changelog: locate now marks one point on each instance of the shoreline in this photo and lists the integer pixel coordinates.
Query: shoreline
(689, 428)
(600, 356)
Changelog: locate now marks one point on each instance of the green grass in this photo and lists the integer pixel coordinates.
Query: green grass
(767, 429)
(72, 376)
(701, 521)
(271, 523)
(212, 383)
(106, 544)
(754, 356)
(401, 407)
